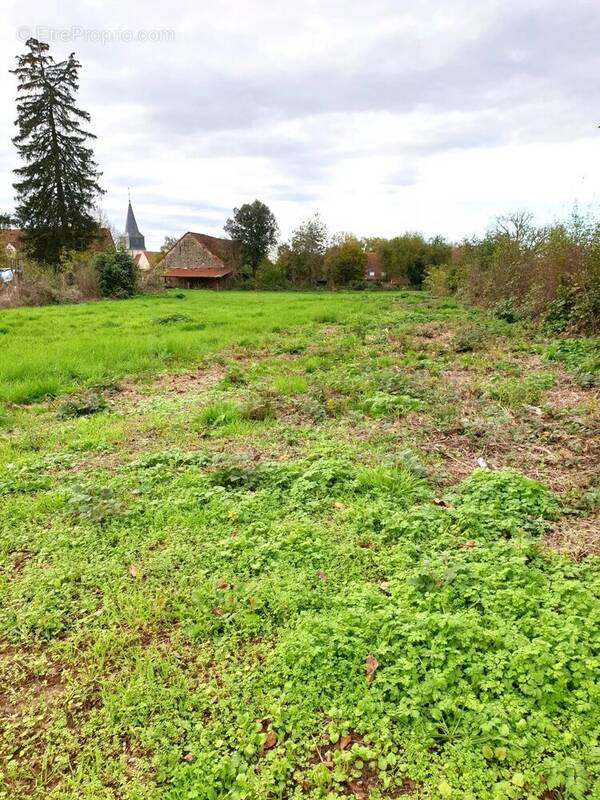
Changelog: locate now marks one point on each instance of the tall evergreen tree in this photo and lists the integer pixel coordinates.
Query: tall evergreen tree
(58, 185)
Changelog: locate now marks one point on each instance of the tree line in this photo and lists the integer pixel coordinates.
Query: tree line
(311, 257)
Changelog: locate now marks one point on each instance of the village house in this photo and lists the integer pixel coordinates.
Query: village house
(197, 260)
(146, 259)
(374, 269)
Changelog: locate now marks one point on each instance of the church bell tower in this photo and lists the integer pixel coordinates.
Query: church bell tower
(132, 239)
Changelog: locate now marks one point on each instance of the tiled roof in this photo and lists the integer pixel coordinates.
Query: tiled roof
(196, 272)
(103, 240)
(153, 256)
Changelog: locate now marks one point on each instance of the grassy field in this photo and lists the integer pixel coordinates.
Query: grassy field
(48, 351)
(266, 546)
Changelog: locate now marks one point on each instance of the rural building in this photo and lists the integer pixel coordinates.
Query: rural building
(146, 259)
(374, 270)
(197, 260)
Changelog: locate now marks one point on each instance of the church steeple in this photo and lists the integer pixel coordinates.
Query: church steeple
(132, 238)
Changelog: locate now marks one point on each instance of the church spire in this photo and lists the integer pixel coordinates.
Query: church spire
(133, 239)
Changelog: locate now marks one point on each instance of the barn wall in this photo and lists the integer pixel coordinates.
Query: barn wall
(188, 252)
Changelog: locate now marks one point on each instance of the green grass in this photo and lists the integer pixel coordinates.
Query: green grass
(282, 573)
(49, 351)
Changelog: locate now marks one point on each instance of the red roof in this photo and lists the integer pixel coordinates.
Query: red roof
(196, 272)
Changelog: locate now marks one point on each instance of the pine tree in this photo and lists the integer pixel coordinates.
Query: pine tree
(58, 185)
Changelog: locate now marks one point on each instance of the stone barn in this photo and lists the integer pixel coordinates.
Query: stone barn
(198, 260)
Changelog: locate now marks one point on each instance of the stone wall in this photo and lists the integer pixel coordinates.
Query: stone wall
(189, 253)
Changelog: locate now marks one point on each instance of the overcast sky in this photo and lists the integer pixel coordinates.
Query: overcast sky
(383, 116)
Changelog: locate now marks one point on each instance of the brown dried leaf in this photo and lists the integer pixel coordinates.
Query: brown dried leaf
(384, 586)
(133, 570)
(217, 612)
(339, 504)
(344, 741)
(264, 724)
(323, 575)
(371, 665)
(188, 757)
(223, 584)
(437, 501)
(270, 740)
(469, 543)
(357, 789)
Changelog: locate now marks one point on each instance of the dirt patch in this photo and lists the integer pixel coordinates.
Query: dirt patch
(23, 688)
(369, 780)
(432, 336)
(331, 330)
(552, 460)
(197, 380)
(575, 538)
(20, 558)
(566, 395)
(461, 382)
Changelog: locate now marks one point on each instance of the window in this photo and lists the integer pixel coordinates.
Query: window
(371, 274)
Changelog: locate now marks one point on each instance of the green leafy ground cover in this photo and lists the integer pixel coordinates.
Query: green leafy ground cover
(341, 558)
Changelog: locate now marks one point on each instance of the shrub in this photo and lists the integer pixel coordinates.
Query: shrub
(511, 392)
(382, 404)
(117, 274)
(467, 340)
(437, 280)
(171, 319)
(83, 406)
(506, 310)
(269, 276)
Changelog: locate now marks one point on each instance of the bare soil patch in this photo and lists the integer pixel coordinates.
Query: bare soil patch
(576, 538)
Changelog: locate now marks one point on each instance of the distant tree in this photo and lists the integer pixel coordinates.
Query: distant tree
(307, 246)
(407, 257)
(59, 183)
(270, 276)
(117, 274)
(168, 244)
(518, 227)
(255, 227)
(284, 261)
(345, 260)
(6, 221)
